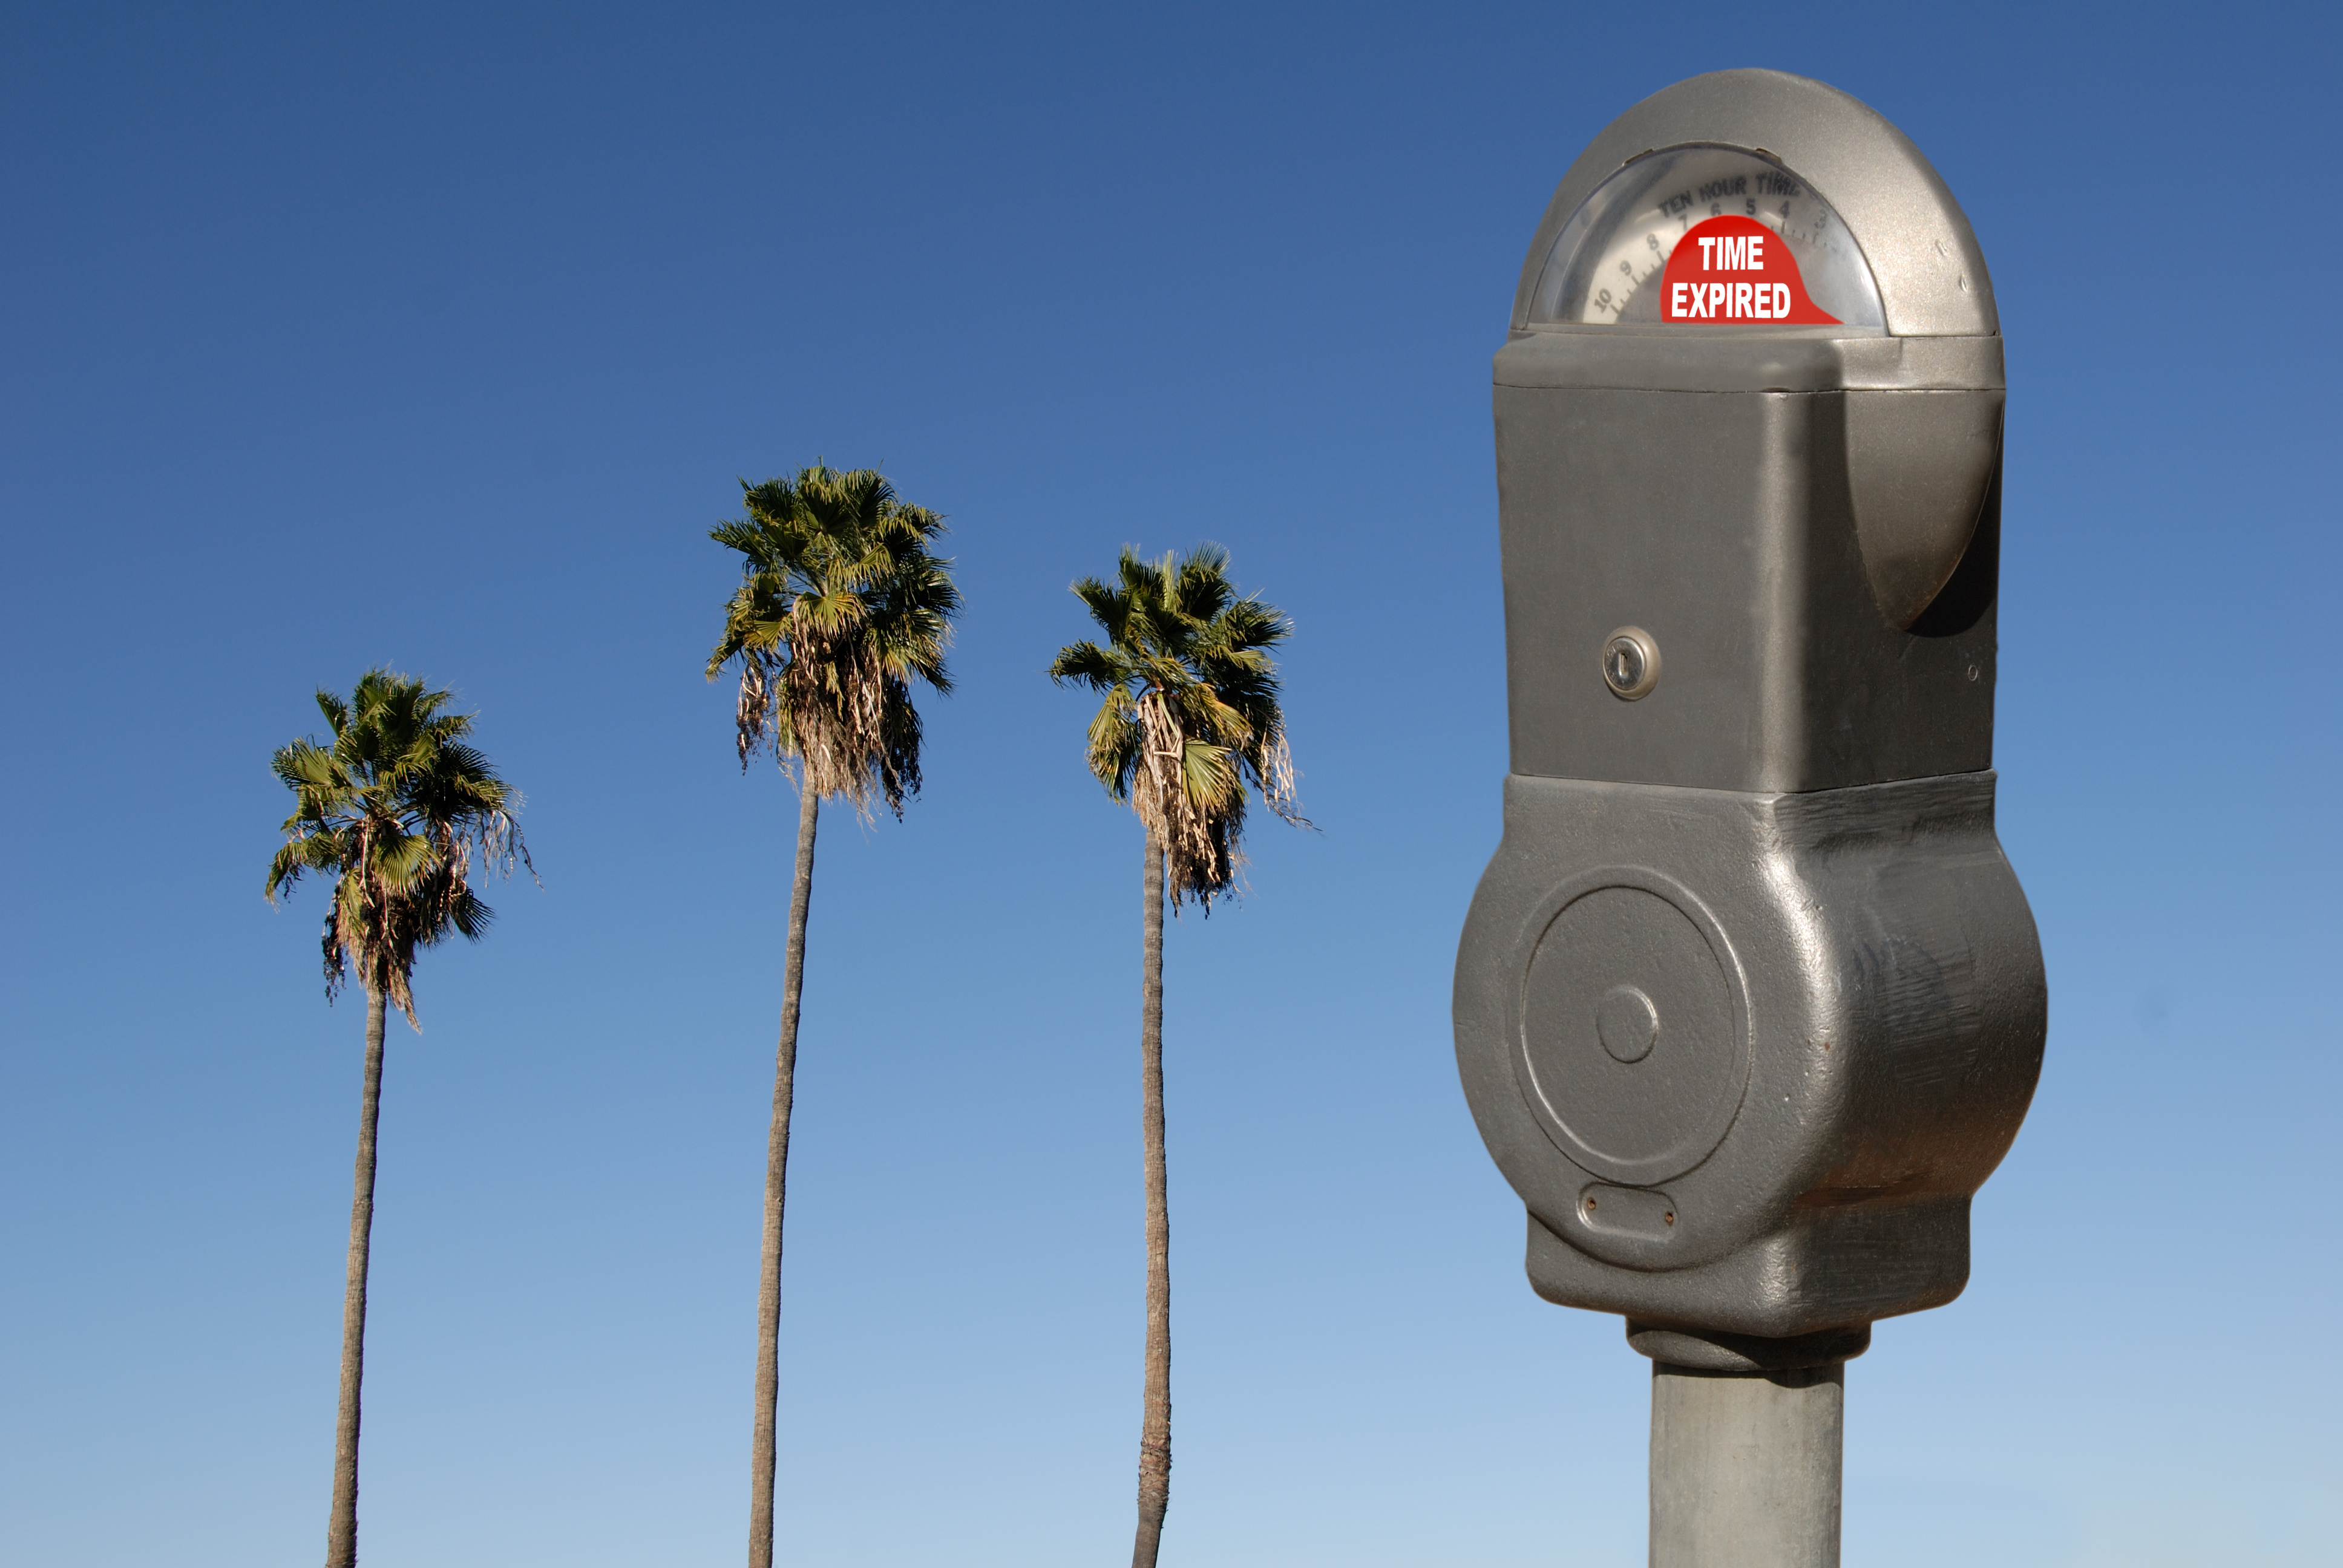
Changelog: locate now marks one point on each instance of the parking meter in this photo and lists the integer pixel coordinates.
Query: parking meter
(1749, 1003)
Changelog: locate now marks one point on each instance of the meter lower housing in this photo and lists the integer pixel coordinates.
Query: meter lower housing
(1745, 1057)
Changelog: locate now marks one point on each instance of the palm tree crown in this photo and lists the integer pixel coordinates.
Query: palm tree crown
(395, 807)
(840, 605)
(1190, 716)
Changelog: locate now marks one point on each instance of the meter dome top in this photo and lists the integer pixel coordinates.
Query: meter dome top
(1924, 276)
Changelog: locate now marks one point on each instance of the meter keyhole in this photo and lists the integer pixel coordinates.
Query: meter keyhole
(1631, 663)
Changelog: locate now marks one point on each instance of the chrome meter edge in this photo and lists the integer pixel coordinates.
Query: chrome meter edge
(1604, 265)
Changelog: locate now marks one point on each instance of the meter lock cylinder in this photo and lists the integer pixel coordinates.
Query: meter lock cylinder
(1749, 1003)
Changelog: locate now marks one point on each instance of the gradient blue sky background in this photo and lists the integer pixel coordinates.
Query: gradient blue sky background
(437, 335)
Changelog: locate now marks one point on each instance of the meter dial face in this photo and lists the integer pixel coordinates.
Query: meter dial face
(1610, 264)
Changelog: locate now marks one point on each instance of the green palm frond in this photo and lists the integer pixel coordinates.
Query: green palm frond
(1189, 724)
(394, 805)
(843, 604)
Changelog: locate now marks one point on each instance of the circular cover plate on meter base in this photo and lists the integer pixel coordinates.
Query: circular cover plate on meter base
(1631, 1027)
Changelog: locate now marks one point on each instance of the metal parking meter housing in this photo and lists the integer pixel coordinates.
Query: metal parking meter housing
(1749, 1003)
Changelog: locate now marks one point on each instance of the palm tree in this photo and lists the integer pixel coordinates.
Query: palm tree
(393, 808)
(1190, 719)
(840, 606)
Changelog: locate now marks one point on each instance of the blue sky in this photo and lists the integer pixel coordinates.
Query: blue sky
(438, 337)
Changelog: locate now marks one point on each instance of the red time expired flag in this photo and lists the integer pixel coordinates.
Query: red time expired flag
(1735, 271)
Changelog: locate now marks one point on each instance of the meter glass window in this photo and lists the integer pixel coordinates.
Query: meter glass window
(1706, 236)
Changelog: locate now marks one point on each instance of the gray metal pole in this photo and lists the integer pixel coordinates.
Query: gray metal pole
(1745, 1467)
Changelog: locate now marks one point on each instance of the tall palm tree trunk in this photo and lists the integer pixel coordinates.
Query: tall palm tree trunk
(342, 1523)
(776, 1174)
(1155, 1421)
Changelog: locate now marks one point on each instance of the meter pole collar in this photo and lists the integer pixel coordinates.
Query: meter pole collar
(1922, 255)
(1715, 1351)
